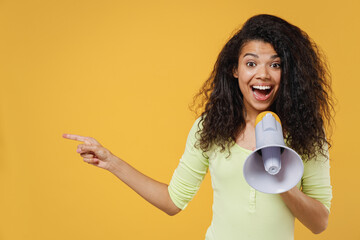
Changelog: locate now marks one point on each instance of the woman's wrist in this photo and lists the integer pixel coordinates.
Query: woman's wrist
(114, 164)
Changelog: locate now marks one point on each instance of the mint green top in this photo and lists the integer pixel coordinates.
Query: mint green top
(239, 211)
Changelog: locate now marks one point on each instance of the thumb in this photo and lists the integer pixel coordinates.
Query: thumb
(99, 151)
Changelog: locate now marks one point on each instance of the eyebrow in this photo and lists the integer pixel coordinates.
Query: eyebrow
(256, 56)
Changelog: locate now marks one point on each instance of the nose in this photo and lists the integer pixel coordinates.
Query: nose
(262, 73)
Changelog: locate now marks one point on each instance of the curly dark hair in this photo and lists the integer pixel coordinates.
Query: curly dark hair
(304, 100)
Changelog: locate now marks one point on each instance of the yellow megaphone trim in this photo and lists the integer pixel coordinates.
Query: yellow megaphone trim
(262, 114)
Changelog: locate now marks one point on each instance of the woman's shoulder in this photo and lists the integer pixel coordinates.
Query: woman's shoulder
(197, 125)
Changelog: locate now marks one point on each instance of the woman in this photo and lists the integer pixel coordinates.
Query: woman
(268, 64)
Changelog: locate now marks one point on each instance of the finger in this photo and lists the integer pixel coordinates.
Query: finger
(93, 141)
(85, 148)
(91, 160)
(97, 151)
(75, 137)
(87, 155)
(88, 140)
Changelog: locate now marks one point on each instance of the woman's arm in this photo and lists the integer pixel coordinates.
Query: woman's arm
(309, 211)
(153, 191)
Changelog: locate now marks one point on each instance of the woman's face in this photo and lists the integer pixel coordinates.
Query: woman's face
(259, 74)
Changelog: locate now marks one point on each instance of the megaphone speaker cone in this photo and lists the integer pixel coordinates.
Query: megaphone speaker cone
(287, 177)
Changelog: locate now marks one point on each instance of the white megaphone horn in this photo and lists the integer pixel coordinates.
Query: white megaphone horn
(272, 167)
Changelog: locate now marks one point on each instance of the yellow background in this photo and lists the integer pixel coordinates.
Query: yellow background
(125, 72)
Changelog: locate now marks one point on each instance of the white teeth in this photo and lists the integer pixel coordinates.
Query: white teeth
(262, 87)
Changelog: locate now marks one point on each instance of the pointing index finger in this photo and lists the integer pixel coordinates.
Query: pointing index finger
(75, 137)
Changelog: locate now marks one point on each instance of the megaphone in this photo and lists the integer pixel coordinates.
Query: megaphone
(272, 167)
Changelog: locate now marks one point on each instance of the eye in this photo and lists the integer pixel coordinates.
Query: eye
(250, 64)
(275, 65)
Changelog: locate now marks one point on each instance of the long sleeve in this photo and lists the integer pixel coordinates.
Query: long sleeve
(190, 172)
(316, 180)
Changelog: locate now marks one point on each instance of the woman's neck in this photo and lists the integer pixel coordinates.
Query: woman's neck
(250, 117)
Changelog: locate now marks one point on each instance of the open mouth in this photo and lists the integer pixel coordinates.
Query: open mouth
(261, 93)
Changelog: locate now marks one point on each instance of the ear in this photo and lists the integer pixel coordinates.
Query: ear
(235, 72)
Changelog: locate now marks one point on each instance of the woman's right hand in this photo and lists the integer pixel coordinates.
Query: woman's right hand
(151, 190)
(93, 152)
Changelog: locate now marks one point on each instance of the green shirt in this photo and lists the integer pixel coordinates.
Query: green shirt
(239, 211)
